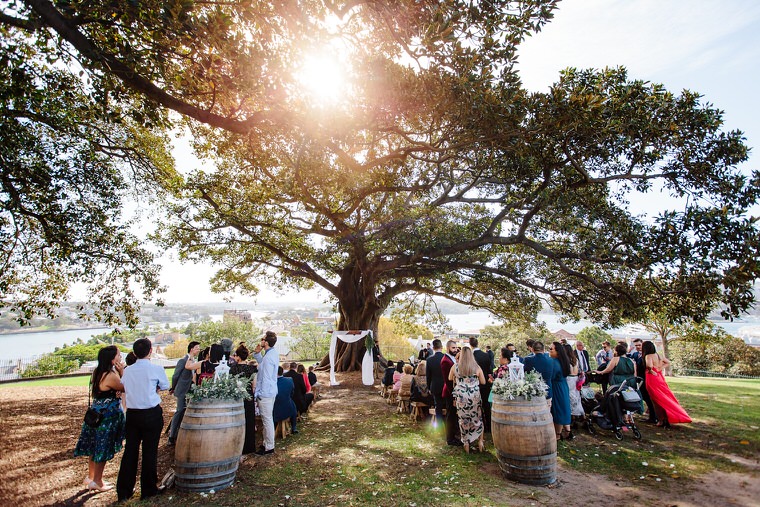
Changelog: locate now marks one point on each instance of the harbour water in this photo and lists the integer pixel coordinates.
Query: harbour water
(17, 345)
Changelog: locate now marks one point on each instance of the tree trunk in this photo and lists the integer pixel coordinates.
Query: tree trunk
(359, 310)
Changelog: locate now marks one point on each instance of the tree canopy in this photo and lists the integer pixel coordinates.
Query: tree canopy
(435, 173)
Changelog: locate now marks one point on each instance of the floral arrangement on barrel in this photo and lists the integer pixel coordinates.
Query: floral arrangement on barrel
(528, 386)
(225, 387)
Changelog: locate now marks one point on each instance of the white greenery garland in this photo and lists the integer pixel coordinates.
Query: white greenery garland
(532, 385)
(227, 387)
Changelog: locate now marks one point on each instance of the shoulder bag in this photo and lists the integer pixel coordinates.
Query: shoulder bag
(92, 417)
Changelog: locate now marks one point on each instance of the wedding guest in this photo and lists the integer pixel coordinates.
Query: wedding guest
(621, 368)
(420, 391)
(560, 393)
(397, 376)
(266, 388)
(469, 377)
(638, 357)
(574, 382)
(181, 382)
(243, 367)
(316, 386)
(504, 359)
(405, 383)
(284, 406)
(103, 442)
(142, 381)
(666, 405)
(447, 393)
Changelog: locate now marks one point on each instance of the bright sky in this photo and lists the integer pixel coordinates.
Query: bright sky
(709, 47)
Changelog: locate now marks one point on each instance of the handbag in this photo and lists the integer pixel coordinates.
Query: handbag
(92, 417)
(630, 395)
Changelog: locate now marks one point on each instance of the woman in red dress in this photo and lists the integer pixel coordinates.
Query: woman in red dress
(665, 403)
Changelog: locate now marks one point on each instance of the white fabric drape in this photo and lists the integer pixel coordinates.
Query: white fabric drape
(368, 377)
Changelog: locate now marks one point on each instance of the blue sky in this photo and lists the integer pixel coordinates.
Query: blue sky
(709, 47)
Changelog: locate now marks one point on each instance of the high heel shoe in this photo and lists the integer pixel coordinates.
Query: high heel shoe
(86, 482)
(93, 486)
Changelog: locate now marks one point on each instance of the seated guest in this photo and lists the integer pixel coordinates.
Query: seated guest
(301, 370)
(300, 396)
(405, 389)
(420, 391)
(316, 386)
(388, 375)
(284, 407)
(397, 376)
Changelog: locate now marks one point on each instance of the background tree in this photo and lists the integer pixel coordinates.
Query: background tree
(705, 347)
(513, 332)
(661, 325)
(437, 174)
(310, 341)
(394, 343)
(209, 332)
(66, 164)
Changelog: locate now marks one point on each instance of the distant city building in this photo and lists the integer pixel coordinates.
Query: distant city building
(239, 315)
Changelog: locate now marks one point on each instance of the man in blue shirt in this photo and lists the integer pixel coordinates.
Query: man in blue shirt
(266, 388)
(145, 419)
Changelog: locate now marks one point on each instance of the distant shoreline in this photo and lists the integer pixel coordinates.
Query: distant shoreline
(25, 330)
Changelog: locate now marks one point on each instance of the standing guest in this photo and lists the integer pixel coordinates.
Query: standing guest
(484, 361)
(284, 406)
(208, 366)
(621, 368)
(603, 357)
(376, 365)
(574, 382)
(505, 357)
(266, 388)
(469, 377)
(581, 354)
(541, 363)
(447, 393)
(422, 354)
(130, 359)
(181, 382)
(638, 357)
(529, 345)
(227, 352)
(435, 379)
(316, 386)
(142, 381)
(561, 394)
(241, 366)
(103, 442)
(491, 356)
(666, 405)
(430, 351)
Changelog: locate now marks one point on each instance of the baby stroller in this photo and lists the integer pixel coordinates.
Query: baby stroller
(616, 409)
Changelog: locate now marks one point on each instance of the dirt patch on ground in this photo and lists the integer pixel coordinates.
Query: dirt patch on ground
(41, 426)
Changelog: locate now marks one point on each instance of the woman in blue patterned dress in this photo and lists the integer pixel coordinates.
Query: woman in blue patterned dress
(101, 443)
(469, 377)
(560, 392)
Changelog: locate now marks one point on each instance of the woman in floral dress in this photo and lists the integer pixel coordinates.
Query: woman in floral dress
(468, 377)
(101, 443)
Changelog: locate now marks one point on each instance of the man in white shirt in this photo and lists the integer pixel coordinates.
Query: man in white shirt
(266, 388)
(145, 419)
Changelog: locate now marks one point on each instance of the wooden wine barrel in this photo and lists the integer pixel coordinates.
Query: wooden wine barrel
(526, 445)
(209, 445)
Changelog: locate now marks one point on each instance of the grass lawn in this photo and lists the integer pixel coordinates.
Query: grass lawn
(725, 427)
(356, 450)
(81, 380)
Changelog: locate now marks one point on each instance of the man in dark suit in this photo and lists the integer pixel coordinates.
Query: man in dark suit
(541, 363)
(638, 358)
(435, 378)
(484, 361)
(452, 421)
(300, 396)
(181, 382)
